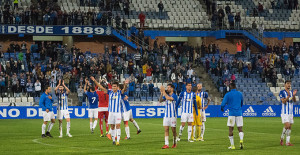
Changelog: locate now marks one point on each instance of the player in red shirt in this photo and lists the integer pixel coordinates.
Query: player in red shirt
(103, 108)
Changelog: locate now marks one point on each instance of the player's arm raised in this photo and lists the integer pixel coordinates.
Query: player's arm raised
(56, 88)
(283, 98)
(67, 89)
(99, 85)
(86, 83)
(166, 96)
(125, 86)
(294, 95)
(162, 88)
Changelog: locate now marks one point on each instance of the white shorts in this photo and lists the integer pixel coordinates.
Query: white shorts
(61, 114)
(170, 121)
(127, 115)
(114, 118)
(93, 113)
(186, 117)
(232, 120)
(48, 116)
(286, 118)
(203, 116)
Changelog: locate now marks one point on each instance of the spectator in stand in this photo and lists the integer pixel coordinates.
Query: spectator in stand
(237, 20)
(124, 27)
(142, 18)
(231, 20)
(149, 74)
(126, 7)
(260, 8)
(221, 16)
(118, 22)
(29, 88)
(298, 59)
(239, 48)
(227, 9)
(131, 88)
(151, 89)
(138, 90)
(144, 89)
(254, 26)
(80, 93)
(37, 88)
(133, 32)
(161, 8)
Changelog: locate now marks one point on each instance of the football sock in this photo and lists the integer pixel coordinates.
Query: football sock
(193, 132)
(231, 140)
(189, 132)
(101, 125)
(95, 124)
(136, 125)
(91, 125)
(198, 131)
(127, 131)
(241, 134)
(288, 135)
(167, 140)
(60, 128)
(113, 134)
(202, 129)
(180, 130)
(50, 126)
(43, 128)
(118, 134)
(68, 127)
(283, 133)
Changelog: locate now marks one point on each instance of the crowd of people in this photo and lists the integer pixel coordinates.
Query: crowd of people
(27, 74)
(277, 59)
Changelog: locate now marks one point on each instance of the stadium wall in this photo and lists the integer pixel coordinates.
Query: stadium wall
(146, 111)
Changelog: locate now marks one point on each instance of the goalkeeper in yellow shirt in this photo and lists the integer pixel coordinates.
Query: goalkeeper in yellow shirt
(196, 125)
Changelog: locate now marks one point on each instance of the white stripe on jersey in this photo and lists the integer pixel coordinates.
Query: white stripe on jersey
(170, 110)
(115, 102)
(187, 103)
(62, 101)
(287, 108)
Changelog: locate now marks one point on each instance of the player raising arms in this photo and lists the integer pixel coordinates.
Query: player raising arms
(114, 108)
(127, 114)
(234, 101)
(287, 98)
(62, 107)
(103, 108)
(45, 103)
(203, 95)
(188, 98)
(170, 117)
(93, 105)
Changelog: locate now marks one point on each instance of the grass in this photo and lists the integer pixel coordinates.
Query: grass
(261, 137)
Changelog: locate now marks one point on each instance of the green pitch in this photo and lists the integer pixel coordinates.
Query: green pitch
(261, 137)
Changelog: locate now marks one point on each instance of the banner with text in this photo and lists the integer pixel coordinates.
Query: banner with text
(146, 111)
(55, 30)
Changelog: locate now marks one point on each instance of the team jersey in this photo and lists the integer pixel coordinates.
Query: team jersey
(125, 106)
(198, 101)
(114, 101)
(203, 95)
(187, 100)
(234, 100)
(62, 101)
(170, 106)
(287, 108)
(93, 99)
(103, 98)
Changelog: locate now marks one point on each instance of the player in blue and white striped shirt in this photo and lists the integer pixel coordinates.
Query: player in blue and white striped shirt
(62, 107)
(187, 99)
(287, 98)
(127, 114)
(114, 107)
(170, 117)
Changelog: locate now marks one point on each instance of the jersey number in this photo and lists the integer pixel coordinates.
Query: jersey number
(93, 98)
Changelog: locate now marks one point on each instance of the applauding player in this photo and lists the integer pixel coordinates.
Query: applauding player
(170, 117)
(287, 99)
(62, 107)
(93, 105)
